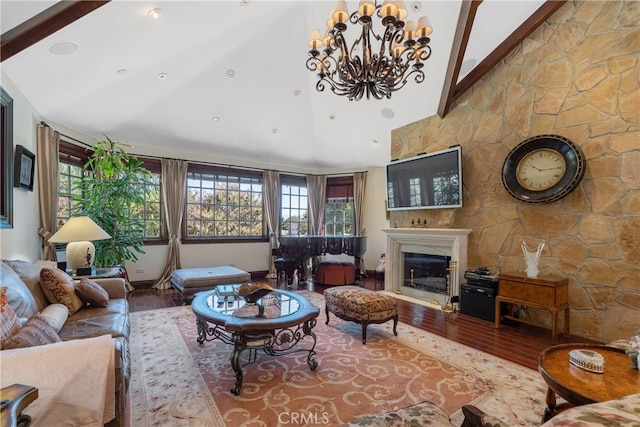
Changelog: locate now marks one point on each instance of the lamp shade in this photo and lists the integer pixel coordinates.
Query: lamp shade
(78, 232)
(78, 229)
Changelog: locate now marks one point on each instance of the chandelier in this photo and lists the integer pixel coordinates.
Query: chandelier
(375, 65)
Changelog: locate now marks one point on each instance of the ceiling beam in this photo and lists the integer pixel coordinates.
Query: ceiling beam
(498, 54)
(460, 41)
(44, 24)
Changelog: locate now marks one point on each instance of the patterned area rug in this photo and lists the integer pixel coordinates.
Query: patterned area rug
(177, 382)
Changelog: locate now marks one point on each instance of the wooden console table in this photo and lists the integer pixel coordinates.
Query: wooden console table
(545, 293)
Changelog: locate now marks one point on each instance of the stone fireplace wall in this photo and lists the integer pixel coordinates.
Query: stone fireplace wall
(576, 76)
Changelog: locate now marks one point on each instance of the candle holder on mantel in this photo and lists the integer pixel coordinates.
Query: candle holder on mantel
(531, 258)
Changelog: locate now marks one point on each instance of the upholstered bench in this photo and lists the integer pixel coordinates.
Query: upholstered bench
(336, 273)
(190, 281)
(429, 414)
(362, 306)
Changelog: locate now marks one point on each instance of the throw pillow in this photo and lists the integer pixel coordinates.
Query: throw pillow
(56, 315)
(9, 323)
(37, 331)
(18, 295)
(59, 288)
(30, 275)
(92, 293)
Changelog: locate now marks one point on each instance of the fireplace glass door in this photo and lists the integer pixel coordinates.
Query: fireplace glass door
(425, 276)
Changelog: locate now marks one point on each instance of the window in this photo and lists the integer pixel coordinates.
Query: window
(294, 208)
(150, 214)
(339, 217)
(223, 204)
(339, 210)
(70, 177)
(70, 174)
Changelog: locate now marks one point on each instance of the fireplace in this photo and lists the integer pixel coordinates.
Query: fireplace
(427, 272)
(418, 263)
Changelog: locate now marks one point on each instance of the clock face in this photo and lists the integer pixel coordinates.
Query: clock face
(543, 169)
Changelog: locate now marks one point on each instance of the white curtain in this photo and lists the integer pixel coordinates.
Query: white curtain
(271, 194)
(48, 181)
(317, 190)
(174, 188)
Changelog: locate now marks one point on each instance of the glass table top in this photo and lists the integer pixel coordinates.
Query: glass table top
(226, 301)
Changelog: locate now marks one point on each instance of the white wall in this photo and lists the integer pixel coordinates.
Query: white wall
(375, 216)
(22, 241)
(245, 256)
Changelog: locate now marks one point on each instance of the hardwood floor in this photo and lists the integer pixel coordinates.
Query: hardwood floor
(515, 342)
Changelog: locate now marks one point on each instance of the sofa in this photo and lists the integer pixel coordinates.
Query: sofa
(101, 309)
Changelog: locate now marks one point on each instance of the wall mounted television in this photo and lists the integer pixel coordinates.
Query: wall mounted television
(428, 181)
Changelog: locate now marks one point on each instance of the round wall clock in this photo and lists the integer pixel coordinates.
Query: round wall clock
(543, 169)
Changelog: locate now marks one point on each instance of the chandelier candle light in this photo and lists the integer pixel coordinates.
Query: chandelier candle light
(365, 68)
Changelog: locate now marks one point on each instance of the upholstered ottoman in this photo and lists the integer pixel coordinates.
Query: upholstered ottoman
(335, 273)
(361, 306)
(190, 281)
(421, 414)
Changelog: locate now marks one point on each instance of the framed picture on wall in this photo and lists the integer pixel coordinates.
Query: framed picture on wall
(24, 168)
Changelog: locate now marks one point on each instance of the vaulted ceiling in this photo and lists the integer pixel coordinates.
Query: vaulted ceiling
(108, 68)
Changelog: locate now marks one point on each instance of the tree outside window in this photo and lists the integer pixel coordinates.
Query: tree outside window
(223, 205)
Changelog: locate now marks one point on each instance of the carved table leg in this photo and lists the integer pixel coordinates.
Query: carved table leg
(307, 328)
(550, 410)
(239, 344)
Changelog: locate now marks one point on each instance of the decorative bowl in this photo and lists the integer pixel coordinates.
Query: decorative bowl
(256, 295)
(588, 360)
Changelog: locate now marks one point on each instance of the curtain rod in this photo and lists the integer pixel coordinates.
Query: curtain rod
(43, 123)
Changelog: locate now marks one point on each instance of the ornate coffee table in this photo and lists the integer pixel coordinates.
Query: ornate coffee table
(276, 324)
(579, 386)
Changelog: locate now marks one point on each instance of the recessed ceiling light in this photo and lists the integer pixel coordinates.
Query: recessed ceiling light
(230, 73)
(375, 141)
(244, 2)
(122, 71)
(416, 6)
(163, 76)
(332, 116)
(387, 113)
(215, 119)
(62, 48)
(274, 130)
(154, 13)
(297, 93)
(467, 66)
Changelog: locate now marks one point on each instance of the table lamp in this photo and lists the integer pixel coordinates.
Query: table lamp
(78, 232)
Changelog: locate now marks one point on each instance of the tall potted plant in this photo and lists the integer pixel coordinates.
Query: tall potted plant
(112, 193)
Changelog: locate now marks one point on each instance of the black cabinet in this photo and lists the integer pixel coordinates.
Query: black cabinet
(478, 301)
